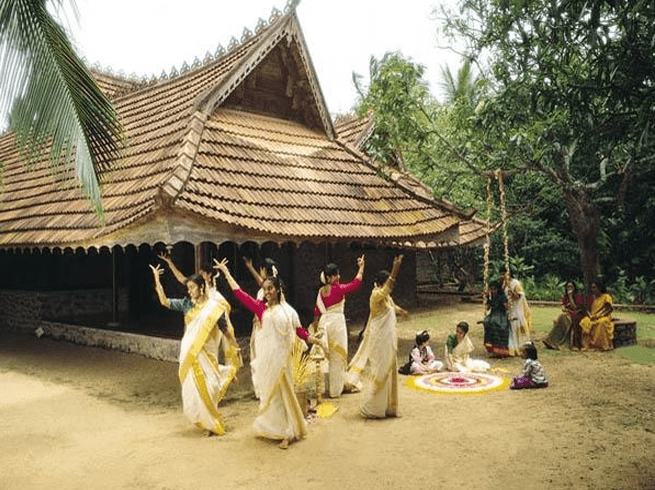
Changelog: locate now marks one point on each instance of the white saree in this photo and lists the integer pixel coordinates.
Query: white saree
(256, 327)
(280, 415)
(358, 362)
(458, 360)
(204, 381)
(333, 323)
(520, 317)
(377, 359)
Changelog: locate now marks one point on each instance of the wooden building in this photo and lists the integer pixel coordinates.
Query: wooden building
(234, 156)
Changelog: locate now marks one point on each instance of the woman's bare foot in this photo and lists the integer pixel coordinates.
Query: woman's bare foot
(285, 443)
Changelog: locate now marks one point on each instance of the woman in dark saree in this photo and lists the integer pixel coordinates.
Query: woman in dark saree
(496, 324)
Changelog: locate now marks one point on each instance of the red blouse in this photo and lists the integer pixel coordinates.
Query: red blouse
(337, 293)
(258, 307)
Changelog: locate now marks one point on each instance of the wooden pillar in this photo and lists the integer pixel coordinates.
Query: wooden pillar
(114, 286)
(197, 258)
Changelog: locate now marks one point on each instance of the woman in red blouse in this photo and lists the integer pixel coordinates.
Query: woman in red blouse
(330, 322)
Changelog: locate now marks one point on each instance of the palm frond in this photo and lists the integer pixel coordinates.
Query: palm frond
(54, 101)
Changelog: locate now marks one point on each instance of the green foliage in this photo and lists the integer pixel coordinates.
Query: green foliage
(55, 102)
(572, 98)
(550, 288)
(638, 290)
(412, 128)
(563, 102)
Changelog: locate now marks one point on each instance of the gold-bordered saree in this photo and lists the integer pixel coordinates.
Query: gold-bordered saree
(204, 381)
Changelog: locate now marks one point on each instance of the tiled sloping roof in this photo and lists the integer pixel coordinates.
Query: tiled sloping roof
(40, 209)
(355, 130)
(192, 162)
(114, 85)
(279, 177)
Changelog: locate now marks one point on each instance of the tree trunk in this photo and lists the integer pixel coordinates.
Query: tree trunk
(585, 223)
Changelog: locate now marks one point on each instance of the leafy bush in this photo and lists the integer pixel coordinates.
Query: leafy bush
(549, 288)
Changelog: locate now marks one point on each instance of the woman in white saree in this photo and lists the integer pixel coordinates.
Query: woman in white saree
(268, 270)
(204, 381)
(280, 416)
(330, 322)
(376, 358)
(457, 350)
(519, 313)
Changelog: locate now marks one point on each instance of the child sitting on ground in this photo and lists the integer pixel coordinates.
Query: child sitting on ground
(533, 374)
(457, 350)
(421, 358)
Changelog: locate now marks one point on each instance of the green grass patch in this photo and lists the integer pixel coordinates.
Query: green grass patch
(637, 354)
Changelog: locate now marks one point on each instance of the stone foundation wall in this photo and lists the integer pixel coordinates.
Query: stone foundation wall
(145, 345)
(24, 310)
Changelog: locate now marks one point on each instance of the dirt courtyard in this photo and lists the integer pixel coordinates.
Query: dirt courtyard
(74, 417)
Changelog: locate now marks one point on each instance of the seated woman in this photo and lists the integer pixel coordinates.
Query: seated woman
(597, 327)
(457, 350)
(566, 327)
(496, 324)
(421, 357)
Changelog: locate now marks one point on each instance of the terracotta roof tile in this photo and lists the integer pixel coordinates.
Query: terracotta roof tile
(284, 178)
(354, 130)
(234, 170)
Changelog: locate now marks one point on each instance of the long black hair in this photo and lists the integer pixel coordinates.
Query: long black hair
(381, 277)
(566, 287)
(331, 270)
(530, 350)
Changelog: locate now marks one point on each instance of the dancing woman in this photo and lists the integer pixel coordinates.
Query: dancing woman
(376, 357)
(331, 322)
(280, 416)
(204, 381)
(268, 270)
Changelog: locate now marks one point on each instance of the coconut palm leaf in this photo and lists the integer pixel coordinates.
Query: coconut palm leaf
(55, 103)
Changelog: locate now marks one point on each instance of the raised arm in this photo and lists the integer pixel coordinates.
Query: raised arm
(395, 268)
(257, 307)
(181, 278)
(258, 277)
(357, 280)
(360, 264)
(222, 266)
(157, 271)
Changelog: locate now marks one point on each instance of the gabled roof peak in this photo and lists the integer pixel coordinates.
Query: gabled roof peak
(133, 81)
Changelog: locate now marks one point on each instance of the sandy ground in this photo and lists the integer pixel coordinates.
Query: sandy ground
(78, 417)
